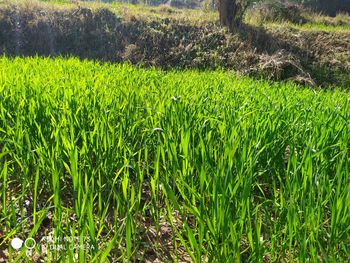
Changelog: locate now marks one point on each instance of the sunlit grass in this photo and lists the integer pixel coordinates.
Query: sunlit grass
(310, 27)
(222, 168)
(125, 10)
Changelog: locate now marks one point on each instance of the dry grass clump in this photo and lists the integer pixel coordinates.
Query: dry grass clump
(274, 11)
(283, 65)
(341, 19)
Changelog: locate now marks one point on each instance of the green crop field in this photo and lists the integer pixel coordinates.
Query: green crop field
(106, 163)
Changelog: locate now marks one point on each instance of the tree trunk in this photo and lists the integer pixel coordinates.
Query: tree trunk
(231, 13)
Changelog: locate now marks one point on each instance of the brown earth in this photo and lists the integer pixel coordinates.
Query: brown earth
(314, 58)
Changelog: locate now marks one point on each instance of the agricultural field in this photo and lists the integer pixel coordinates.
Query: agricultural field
(103, 162)
(142, 133)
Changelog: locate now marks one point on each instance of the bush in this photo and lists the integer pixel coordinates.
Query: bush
(273, 11)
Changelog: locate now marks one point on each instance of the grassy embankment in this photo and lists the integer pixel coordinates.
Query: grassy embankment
(143, 164)
(167, 37)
